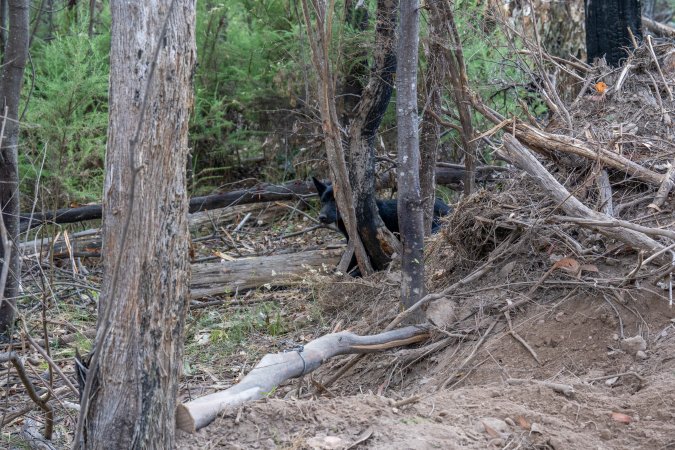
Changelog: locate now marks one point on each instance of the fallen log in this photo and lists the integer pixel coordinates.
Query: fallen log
(514, 151)
(275, 368)
(264, 192)
(448, 175)
(658, 28)
(87, 243)
(228, 277)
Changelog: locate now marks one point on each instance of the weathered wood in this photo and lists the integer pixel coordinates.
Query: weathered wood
(129, 398)
(228, 277)
(545, 143)
(261, 193)
(274, 368)
(658, 28)
(409, 201)
(448, 175)
(516, 152)
(87, 243)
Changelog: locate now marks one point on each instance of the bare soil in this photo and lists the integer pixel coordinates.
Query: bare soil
(621, 399)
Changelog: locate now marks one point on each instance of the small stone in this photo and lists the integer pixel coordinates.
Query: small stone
(641, 355)
(605, 434)
(556, 443)
(634, 344)
(326, 442)
(497, 425)
(615, 337)
(536, 428)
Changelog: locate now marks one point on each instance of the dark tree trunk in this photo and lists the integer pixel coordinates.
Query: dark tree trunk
(13, 65)
(129, 400)
(410, 217)
(3, 26)
(607, 24)
(378, 241)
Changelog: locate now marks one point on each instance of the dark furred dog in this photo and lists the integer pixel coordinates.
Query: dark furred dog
(388, 210)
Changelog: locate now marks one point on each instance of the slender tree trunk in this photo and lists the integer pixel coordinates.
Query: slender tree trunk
(459, 82)
(607, 28)
(410, 217)
(319, 39)
(129, 399)
(92, 17)
(11, 78)
(431, 130)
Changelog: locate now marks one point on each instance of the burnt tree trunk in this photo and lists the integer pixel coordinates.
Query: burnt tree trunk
(607, 25)
(362, 130)
(129, 400)
(410, 217)
(13, 63)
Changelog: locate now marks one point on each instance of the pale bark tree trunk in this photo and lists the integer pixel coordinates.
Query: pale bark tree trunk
(13, 64)
(410, 217)
(129, 399)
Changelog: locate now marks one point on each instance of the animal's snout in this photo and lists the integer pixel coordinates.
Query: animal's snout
(323, 218)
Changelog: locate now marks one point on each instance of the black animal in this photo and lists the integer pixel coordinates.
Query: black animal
(388, 210)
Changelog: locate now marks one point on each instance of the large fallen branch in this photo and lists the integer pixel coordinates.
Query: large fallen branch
(272, 271)
(264, 192)
(448, 175)
(514, 151)
(275, 368)
(547, 143)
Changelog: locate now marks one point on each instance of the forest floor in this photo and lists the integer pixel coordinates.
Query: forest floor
(616, 393)
(564, 338)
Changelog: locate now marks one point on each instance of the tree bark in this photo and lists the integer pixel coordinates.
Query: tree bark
(130, 395)
(319, 39)
(410, 217)
(607, 28)
(377, 239)
(13, 63)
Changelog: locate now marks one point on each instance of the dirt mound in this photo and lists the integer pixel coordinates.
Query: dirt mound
(549, 333)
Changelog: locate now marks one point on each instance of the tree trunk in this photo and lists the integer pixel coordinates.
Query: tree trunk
(431, 129)
(13, 65)
(378, 241)
(319, 39)
(410, 217)
(607, 28)
(129, 399)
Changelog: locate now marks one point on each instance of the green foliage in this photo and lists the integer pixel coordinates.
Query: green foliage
(66, 118)
(246, 63)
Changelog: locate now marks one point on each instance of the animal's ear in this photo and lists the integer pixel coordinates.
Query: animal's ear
(320, 187)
